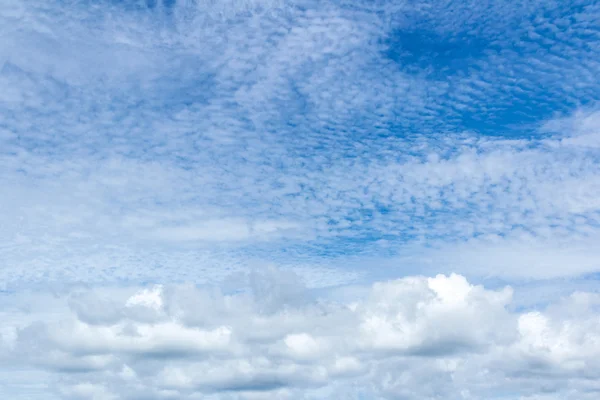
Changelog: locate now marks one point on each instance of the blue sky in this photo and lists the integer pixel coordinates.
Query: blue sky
(340, 146)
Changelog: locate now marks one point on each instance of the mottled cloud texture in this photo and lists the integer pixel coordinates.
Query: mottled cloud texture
(299, 199)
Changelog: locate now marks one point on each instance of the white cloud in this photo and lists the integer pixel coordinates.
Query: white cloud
(404, 331)
(151, 298)
(275, 131)
(349, 142)
(226, 230)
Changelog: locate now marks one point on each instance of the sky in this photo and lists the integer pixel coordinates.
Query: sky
(297, 199)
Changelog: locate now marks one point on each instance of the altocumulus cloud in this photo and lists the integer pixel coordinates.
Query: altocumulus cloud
(299, 199)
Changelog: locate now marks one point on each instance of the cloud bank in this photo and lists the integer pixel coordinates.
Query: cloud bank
(409, 338)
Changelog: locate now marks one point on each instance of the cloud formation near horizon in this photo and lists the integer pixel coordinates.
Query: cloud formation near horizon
(412, 338)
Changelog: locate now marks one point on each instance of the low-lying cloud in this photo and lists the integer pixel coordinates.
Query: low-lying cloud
(181, 341)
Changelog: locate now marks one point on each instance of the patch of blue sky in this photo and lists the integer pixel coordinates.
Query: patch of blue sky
(354, 140)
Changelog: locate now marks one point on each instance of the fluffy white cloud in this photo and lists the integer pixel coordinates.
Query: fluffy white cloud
(182, 342)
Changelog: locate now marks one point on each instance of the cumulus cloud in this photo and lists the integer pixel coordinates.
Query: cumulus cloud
(184, 342)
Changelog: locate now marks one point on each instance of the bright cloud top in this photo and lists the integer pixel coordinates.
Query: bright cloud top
(183, 342)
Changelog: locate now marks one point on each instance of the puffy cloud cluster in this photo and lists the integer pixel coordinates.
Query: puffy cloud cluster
(411, 338)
